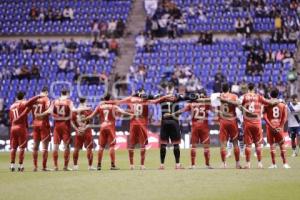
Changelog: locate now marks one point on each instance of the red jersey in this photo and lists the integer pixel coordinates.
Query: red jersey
(40, 106)
(107, 114)
(15, 110)
(254, 103)
(18, 112)
(62, 110)
(227, 107)
(78, 116)
(276, 115)
(139, 107)
(199, 113)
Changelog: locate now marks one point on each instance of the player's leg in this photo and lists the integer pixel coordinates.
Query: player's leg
(258, 139)
(88, 143)
(205, 140)
(46, 138)
(143, 141)
(163, 145)
(270, 140)
(279, 138)
(248, 143)
(78, 143)
(36, 143)
(293, 135)
(57, 139)
(298, 139)
(234, 134)
(102, 141)
(22, 146)
(229, 149)
(223, 137)
(194, 141)
(67, 140)
(176, 139)
(133, 140)
(112, 151)
(241, 142)
(13, 149)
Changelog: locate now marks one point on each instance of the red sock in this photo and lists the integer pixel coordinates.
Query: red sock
(282, 153)
(35, 157)
(206, 155)
(21, 156)
(248, 153)
(100, 155)
(45, 157)
(75, 156)
(193, 156)
(13, 155)
(143, 155)
(131, 154)
(223, 154)
(89, 154)
(237, 153)
(66, 157)
(258, 153)
(273, 154)
(55, 157)
(112, 155)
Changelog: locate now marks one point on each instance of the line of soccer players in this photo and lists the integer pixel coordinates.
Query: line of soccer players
(66, 117)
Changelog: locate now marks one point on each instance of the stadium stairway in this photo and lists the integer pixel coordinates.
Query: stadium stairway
(127, 44)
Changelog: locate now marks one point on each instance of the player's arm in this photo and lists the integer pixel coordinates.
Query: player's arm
(247, 111)
(268, 121)
(47, 112)
(283, 119)
(126, 100)
(270, 102)
(232, 102)
(162, 99)
(32, 100)
(179, 112)
(203, 100)
(120, 110)
(91, 115)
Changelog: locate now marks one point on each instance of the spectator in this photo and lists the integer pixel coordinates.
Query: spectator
(292, 78)
(63, 65)
(239, 26)
(248, 27)
(219, 80)
(293, 36)
(41, 15)
(60, 47)
(140, 40)
(103, 26)
(151, 6)
(1, 104)
(76, 75)
(35, 72)
(103, 48)
(194, 84)
(72, 46)
(39, 47)
(278, 22)
(114, 46)
(95, 28)
(120, 28)
(112, 26)
(279, 56)
(68, 13)
(24, 72)
(34, 13)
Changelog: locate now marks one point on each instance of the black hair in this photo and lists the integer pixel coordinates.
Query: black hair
(225, 87)
(64, 91)
(107, 97)
(82, 100)
(20, 95)
(45, 89)
(294, 96)
(274, 93)
(251, 86)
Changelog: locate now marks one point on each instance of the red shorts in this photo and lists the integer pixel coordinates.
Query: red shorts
(18, 137)
(273, 137)
(228, 130)
(62, 133)
(138, 135)
(41, 133)
(200, 135)
(252, 134)
(107, 137)
(86, 139)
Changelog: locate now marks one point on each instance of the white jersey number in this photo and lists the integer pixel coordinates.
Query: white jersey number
(199, 113)
(138, 109)
(276, 112)
(37, 109)
(106, 112)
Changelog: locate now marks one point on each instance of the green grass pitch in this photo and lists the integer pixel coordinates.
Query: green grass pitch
(152, 183)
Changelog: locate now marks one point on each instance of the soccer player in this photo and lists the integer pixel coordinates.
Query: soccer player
(107, 112)
(83, 134)
(200, 129)
(228, 125)
(275, 117)
(294, 123)
(41, 129)
(170, 127)
(252, 123)
(18, 112)
(61, 110)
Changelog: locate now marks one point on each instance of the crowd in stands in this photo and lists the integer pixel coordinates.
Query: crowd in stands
(114, 28)
(51, 14)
